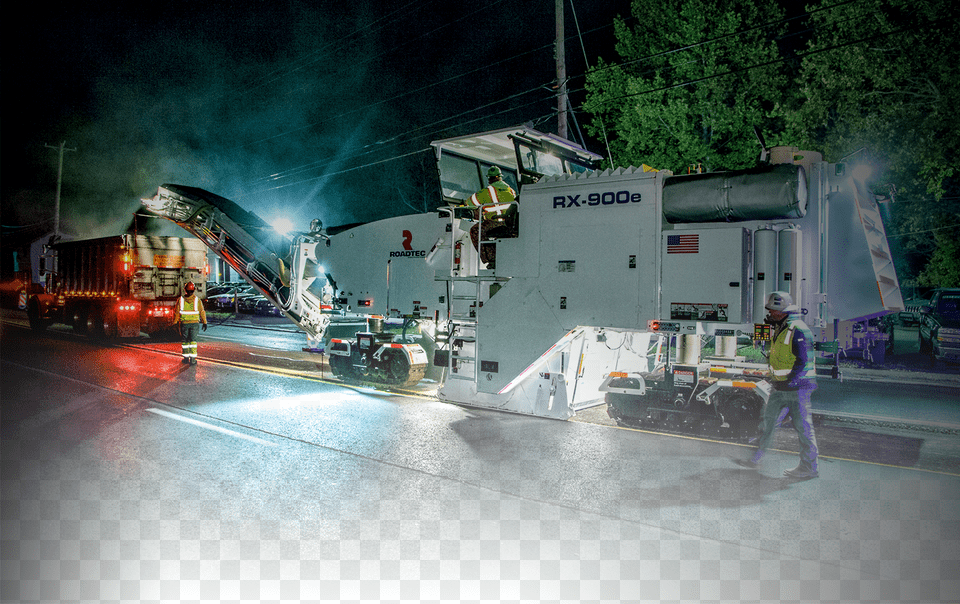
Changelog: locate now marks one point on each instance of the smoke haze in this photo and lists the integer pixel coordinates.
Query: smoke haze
(277, 106)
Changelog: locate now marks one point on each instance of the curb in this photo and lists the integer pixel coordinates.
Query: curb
(916, 378)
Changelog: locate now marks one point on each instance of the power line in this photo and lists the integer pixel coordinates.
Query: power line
(315, 56)
(397, 139)
(319, 163)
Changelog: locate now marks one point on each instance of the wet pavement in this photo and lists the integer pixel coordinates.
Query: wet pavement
(129, 476)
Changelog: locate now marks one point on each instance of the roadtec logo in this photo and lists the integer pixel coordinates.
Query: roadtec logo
(607, 198)
(408, 251)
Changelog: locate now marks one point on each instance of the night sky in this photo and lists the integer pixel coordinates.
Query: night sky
(288, 108)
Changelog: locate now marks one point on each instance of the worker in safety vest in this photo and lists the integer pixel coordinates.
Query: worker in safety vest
(189, 316)
(793, 371)
(498, 201)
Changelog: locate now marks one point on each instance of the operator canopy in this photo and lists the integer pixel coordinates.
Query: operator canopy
(522, 155)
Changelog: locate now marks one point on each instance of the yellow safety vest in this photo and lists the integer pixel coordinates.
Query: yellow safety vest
(782, 358)
(190, 310)
(497, 198)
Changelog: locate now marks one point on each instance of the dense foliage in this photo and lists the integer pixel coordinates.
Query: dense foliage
(873, 81)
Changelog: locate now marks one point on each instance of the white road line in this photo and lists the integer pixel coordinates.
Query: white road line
(210, 426)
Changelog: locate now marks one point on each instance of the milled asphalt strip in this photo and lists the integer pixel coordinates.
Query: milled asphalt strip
(576, 510)
(879, 422)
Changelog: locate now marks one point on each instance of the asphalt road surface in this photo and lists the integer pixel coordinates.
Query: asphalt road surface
(128, 476)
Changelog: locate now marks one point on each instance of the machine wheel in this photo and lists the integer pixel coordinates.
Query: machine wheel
(742, 410)
(398, 367)
(340, 366)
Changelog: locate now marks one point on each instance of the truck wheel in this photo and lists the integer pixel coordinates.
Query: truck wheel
(110, 325)
(78, 319)
(33, 314)
(95, 323)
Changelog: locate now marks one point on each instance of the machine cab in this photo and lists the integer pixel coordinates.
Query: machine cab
(522, 153)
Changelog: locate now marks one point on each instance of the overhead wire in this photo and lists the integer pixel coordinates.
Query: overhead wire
(399, 138)
(387, 52)
(316, 55)
(300, 169)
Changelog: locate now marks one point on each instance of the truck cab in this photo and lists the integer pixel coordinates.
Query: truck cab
(940, 326)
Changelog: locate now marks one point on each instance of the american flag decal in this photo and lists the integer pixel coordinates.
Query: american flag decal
(683, 244)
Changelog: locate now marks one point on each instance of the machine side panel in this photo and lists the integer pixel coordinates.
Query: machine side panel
(597, 264)
(705, 275)
(358, 260)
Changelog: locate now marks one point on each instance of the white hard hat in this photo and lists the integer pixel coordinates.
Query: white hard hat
(781, 301)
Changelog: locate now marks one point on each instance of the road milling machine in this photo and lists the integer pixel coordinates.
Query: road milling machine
(605, 284)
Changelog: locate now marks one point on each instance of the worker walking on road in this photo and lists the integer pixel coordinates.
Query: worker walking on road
(189, 316)
(794, 379)
(498, 202)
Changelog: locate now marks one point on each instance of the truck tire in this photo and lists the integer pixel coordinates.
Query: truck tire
(78, 318)
(94, 322)
(33, 314)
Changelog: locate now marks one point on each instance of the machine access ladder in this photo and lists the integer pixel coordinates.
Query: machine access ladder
(468, 287)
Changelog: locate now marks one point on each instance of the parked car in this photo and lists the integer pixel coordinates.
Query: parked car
(267, 308)
(228, 299)
(217, 290)
(940, 326)
(248, 304)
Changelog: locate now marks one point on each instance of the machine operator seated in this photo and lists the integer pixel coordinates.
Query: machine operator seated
(499, 203)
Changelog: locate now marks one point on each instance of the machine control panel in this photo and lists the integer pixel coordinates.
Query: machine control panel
(761, 332)
(657, 326)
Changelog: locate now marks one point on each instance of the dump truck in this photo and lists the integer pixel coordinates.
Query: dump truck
(118, 286)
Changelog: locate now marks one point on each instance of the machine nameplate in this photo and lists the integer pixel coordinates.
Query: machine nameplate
(607, 198)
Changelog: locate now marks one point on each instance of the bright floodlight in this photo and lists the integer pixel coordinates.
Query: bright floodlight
(282, 225)
(862, 172)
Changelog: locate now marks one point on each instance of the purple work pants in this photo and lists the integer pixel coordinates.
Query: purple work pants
(796, 404)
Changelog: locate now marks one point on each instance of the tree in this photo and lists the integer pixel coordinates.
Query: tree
(943, 270)
(884, 76)
(696, 77)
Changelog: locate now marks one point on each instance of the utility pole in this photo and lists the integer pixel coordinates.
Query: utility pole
(561, 75)
(56, 203)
